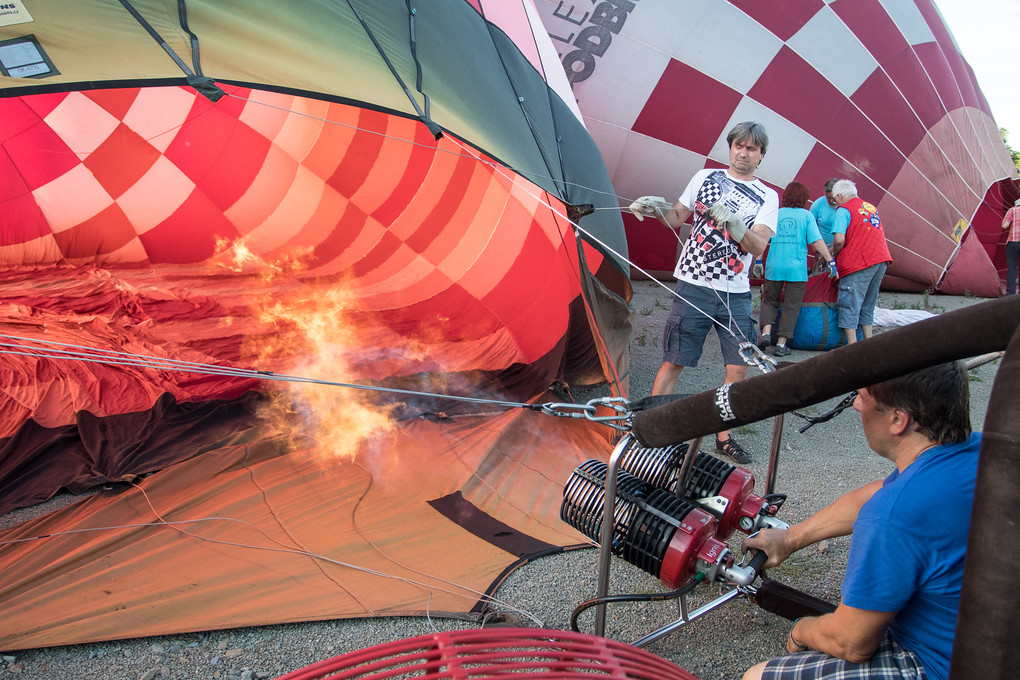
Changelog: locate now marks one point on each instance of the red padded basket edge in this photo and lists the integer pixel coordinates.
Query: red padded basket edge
(496, 652)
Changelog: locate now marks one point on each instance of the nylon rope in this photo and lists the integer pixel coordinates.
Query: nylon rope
(50, 350)
(500, 167)
(436, 149)
(613, 251)
(203, 85)
(561, 181)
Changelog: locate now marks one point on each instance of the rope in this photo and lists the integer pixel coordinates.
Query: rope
(437, 149)
(500, 167)
(50, 350)
(110, 357)
(608, 248)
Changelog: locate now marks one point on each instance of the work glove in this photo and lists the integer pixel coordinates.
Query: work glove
(757, 271)
(647, 206)
(722, 216)
(833, 274)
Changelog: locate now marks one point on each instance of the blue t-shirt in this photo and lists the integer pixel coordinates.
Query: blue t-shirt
(907, 551)
(824, 214)
(788, 249)
(840, 220)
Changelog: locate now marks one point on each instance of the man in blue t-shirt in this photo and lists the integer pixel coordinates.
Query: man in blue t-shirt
(824, 210)
(901, 592)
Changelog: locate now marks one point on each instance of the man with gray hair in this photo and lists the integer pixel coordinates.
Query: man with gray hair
(862, 256)
(735, 215)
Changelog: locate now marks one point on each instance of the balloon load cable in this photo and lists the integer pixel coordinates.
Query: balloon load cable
(46, 349)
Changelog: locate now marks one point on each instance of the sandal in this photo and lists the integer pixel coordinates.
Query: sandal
(731, 449)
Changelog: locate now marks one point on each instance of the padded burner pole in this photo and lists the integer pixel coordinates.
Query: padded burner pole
(964, 333)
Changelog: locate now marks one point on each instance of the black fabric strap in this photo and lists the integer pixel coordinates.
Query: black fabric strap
(205, 86)
(433, 127)
(411, 12)
(182, 12)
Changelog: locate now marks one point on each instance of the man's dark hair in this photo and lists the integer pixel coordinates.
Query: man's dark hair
(749, 130)
(830, 183)
(937, 398)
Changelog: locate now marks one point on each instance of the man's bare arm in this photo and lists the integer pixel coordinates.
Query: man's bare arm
(837, 243)
(835, 519)
(848, 633)
(756, 239)
(675, 218)
(820, 248)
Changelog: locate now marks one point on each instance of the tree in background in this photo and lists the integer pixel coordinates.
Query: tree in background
(1015, 155)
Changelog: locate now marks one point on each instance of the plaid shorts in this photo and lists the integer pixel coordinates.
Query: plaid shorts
(891, 661)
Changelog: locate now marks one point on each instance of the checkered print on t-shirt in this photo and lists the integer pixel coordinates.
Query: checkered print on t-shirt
(708, 255)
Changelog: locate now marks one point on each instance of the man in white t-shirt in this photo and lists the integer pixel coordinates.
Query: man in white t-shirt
(734, 218)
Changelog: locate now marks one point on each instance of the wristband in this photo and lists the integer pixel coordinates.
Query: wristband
(793, 639)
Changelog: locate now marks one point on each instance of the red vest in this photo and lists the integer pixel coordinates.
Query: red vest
(865, 239)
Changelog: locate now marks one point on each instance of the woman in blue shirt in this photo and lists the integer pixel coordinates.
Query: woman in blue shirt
(786, 267)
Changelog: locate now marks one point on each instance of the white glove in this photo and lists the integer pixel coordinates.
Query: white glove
(722, 216)
(757, 270)
(648, 205)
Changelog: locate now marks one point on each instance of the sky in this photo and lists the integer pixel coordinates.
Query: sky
(988, 33)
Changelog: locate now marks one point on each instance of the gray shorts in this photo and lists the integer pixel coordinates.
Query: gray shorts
(858, 295)
(890, 662)
(697, 310)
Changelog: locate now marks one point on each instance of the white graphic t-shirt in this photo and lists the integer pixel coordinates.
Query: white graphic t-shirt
(709, 258)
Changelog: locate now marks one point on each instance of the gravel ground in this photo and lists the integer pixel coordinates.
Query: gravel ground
(815, 467)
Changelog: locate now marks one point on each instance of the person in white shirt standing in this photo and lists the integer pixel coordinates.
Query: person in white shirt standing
(735, 215)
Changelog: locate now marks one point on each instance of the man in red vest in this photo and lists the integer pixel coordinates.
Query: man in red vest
(862, 255)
